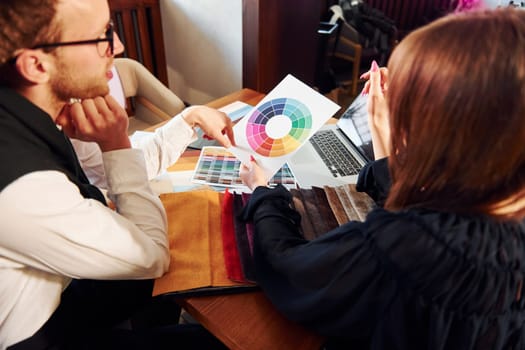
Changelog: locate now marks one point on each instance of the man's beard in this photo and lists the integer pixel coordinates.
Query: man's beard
(69, 83)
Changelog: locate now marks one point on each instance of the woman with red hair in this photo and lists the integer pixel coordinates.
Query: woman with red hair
(441, 264)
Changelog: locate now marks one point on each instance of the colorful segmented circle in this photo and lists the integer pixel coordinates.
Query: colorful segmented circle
(257, 133)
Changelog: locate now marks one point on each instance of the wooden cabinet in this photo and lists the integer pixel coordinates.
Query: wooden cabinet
(279, 37)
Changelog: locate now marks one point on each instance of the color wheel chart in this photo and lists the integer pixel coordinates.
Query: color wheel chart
(218, 167)
(278, 127)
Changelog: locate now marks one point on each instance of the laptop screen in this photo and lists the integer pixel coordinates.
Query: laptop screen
(354, 124)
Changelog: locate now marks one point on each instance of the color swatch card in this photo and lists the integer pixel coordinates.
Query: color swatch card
(280, 124)
(218, 167)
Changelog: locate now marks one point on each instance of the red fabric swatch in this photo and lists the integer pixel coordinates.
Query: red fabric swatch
(231, 255)
(249, 225)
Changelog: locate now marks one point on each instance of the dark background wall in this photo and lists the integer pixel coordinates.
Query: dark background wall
(411, 14)
(280, 37)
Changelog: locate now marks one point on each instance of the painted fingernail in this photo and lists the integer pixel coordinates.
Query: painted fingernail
(252, 158)
(375, 67)
(362, 75)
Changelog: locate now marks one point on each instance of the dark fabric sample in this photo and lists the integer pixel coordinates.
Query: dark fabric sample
(361, 202)
(231, 254)
(310, 204)
(249, 225)
(324, 209)
(307, 228)
(335, 204)
(347, 204)
(241, 239)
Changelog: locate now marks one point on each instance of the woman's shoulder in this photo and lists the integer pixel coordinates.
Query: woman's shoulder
(443, 257)
(471, 236)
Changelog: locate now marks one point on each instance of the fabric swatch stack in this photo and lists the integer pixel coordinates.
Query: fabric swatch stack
(321, 209)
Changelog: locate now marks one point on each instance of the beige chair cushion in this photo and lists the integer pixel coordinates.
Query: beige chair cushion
(154, 102)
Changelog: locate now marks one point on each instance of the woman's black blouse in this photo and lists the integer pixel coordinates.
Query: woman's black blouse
(414, 279)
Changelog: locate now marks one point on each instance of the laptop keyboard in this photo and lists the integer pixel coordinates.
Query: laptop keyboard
(334, 154)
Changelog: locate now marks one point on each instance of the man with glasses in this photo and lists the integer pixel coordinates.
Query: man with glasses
(105, 44)
(71, 267)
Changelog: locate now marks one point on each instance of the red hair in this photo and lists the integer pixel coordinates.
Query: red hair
(457, 107)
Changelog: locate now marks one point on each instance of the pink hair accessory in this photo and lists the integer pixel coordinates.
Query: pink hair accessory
(469, 5)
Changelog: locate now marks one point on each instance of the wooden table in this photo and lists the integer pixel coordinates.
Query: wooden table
(245, 320)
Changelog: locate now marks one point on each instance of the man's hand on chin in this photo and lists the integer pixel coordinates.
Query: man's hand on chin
(100, 119)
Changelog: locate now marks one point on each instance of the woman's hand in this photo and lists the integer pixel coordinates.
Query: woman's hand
(384, 79)
(252, 174)
(378, 116)
(215, 124)
(100, 119)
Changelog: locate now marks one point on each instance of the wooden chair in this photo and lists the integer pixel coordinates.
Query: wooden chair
(346, 66)
(138, 25)
(151, 101)
(345, 58)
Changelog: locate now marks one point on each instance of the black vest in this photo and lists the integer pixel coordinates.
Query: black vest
(30, 141)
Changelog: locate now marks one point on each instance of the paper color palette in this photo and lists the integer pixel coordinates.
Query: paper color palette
(295, 121)
(218, 167)
(280, 124)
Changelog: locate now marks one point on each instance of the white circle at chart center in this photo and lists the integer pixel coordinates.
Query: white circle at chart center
(278, 127)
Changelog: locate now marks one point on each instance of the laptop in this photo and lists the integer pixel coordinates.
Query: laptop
(335, 154)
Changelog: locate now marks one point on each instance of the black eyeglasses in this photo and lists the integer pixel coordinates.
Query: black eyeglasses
(101, 48)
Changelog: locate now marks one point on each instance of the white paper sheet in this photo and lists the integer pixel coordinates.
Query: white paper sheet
(280, 124)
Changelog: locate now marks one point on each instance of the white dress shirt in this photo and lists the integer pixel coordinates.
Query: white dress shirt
(56, 234)
(161, 148)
